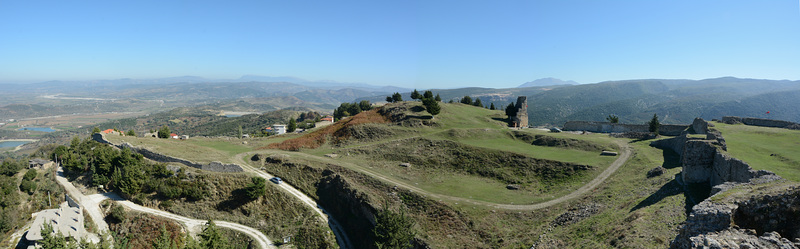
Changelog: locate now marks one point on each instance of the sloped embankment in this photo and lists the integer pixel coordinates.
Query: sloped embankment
(567, 143)
(345, 193)
(449, 155)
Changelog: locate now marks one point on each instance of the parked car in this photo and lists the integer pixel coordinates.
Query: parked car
(276, 180)
(555, 129)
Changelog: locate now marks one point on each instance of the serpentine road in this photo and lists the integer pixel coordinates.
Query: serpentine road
(91, 204)
(341, 237)
(623, 157)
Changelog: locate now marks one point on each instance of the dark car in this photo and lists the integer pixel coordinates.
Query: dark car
(276, 180)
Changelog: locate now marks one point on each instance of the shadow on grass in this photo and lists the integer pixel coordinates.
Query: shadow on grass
(417, 109)
(504, 120)
(692, 193)
(238, 198)
(669, 189)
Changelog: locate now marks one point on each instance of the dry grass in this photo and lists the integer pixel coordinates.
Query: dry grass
(317, 138)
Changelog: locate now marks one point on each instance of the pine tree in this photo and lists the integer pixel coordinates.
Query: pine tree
(427, 95)
(478, 102)
(292, 125)
(393, 230)
(437, 98)
(415, 94)
(432, 106)
(389, 99)
(492, 106)
(654, 124)
(613, 118)
(212, 238)
(466, 100)
(396, 97)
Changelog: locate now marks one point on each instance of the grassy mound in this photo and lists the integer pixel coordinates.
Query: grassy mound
(441, 154)
(549, 141)
(773, 149)
(319, 137)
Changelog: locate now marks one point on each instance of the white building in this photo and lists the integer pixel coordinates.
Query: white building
(279, 129)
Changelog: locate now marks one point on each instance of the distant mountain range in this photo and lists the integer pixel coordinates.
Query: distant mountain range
(551, 101)
(635, 101)
(548, 82)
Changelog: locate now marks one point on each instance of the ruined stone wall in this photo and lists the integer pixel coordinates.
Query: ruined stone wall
(607, 127)
(697, 160)
(761, 122)
(213, 166)
(521, 119)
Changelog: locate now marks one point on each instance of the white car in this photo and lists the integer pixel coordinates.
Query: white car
(276, 180)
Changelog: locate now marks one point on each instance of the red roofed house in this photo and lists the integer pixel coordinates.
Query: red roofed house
(327, 118)
(173, 135)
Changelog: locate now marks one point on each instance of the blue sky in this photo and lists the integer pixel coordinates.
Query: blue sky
(418, 44)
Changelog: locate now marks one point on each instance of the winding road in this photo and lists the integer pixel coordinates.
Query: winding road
(91, 204)
(621, 160)
(341, 237)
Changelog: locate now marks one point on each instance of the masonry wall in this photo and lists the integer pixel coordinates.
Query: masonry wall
(760, 122)
(608, 127)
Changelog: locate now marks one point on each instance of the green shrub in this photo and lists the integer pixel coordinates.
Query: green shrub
(30, 175)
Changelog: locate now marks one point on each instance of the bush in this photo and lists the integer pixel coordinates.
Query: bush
(256, 188)
(28, 186)
(30, 175)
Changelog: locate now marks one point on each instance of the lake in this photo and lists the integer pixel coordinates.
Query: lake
(44, 129)
(12, 144)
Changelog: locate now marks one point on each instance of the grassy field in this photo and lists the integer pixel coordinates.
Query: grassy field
(773, 149)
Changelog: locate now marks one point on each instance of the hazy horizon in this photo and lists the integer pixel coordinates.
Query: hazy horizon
(413, 44)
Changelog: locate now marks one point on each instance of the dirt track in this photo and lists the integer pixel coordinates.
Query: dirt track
(623, 157)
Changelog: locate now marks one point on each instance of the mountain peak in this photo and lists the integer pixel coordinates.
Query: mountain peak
(549, 81)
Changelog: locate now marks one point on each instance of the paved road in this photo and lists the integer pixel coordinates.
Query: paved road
(92, 206)
(193, 225)
(341, 237)
(623, 157)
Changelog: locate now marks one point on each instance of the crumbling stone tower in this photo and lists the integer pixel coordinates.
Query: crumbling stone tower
(521, 119)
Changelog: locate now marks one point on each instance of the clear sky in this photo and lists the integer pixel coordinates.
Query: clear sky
(420, 44)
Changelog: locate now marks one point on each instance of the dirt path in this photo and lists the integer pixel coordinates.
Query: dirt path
(341, 237)
(623, 157)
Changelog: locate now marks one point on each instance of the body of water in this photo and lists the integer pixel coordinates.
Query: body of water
(44, 129)
(12, 144)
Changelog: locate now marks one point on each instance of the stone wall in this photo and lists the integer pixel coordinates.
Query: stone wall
(607, 127)
(521, 119)
(213, 166)
(761, 122)
(697, 160)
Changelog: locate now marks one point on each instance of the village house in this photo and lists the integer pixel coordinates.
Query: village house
(37, 163)
(327, 118)
(173, 136)
(279, 129)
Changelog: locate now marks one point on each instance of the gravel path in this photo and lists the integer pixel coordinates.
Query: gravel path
(623, 157)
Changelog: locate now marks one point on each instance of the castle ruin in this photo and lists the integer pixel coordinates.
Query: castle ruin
(521, 119)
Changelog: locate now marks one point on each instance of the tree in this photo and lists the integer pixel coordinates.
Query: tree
(478, 102)
(364, 105)
(212, 238)
(492, 107)
(432, 106)
(415, 95)
(240, 131)
(256, 188)
(613, 118)
(511, 110)
(164, 241)
(466, 100)
(131, 133)
(396, 97)
(389, 99)
(437, 98)
(292, 125)
(654, 124)
(427, 95)
(164, 132)
(393, 230)
(95, 130)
